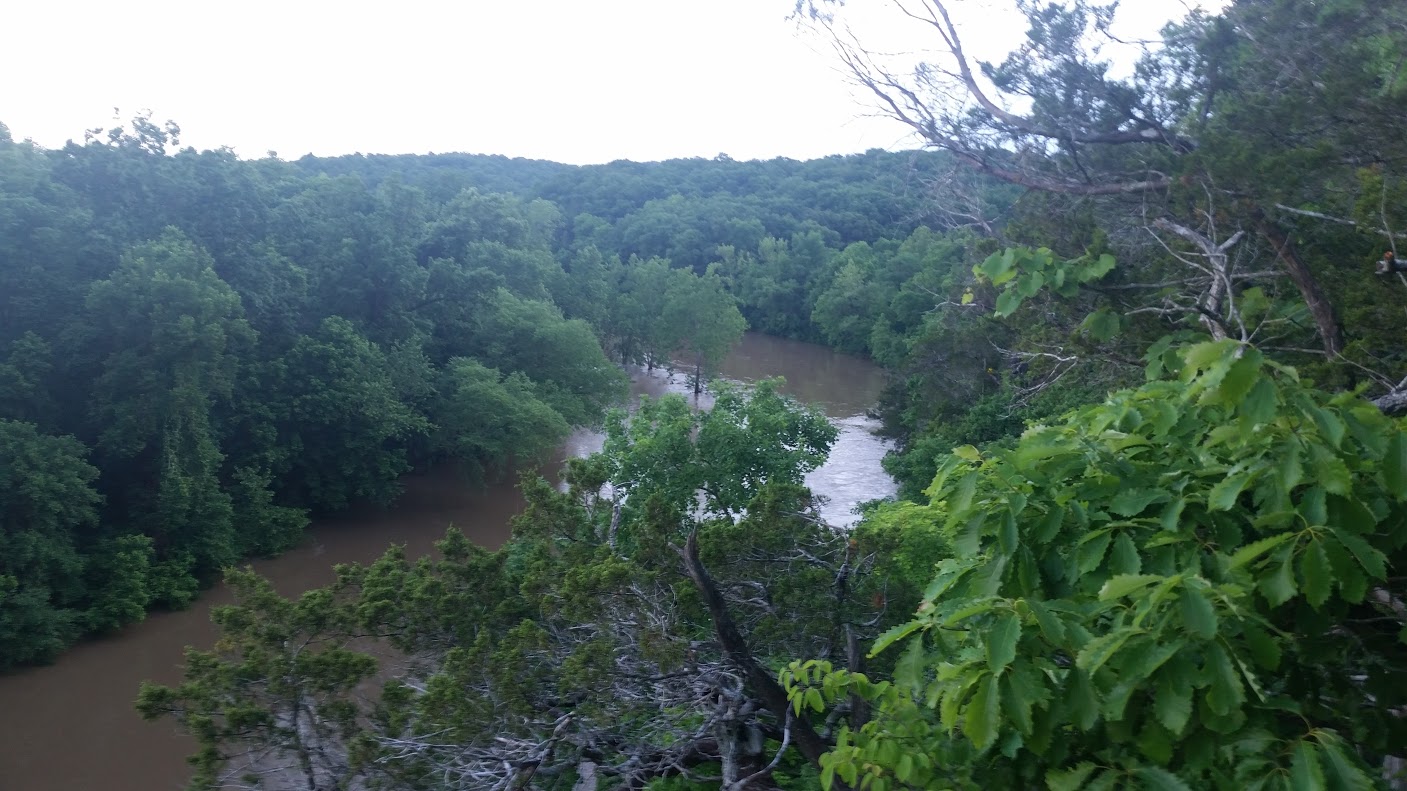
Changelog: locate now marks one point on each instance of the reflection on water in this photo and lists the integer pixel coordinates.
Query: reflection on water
(71, 726)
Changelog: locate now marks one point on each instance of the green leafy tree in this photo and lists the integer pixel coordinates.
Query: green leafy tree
(48, 506)
(1190, 585)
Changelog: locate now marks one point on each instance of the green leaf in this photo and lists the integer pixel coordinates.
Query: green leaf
(1007, 302)
(983, 713)
(1318, 576)
(1279, 585)
(1091, 551)
(1124, 559)
(1157, 779)
(1395, 464)
(1101, 325)
(1172, 704)
(894, 634)
(1372, 561)
(1198, 615)
(1305, 772)
(1069, 779)
(1226, 692)
(1330, 471)
(1001, 641)
(1223, 495)
(1239, 378)
(1051, 626)
(1124, 584)
(967, 453)
(1260, 403)
(1131, 502)
(1254, 550)
(1099, 650)
(1340, 770)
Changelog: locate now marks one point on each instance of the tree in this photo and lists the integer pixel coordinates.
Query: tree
(1190, 585)
(48, 505)
(701, 319)
(1052, 117)
(621, 637)
(166, 334)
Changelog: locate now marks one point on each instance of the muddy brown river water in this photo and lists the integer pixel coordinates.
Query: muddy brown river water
(71, 726)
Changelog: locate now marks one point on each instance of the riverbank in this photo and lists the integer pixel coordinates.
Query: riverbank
(71, 725)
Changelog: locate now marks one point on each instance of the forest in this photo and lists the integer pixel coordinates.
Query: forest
(1144, 339)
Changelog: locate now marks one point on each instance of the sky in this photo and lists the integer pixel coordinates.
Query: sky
(568, 80)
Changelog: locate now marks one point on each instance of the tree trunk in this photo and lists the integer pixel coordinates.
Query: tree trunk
(1319, 306)
(735, 646)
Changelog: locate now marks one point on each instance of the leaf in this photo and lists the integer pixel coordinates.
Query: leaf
(1124, 584)
(1101, 325)
(1090, 552)
(1124, 559)
(1051, 626)
(1158, 779)
(1172, 705)
(1372, 561)
(1330, 471)
(1198, 615)
(1279, 586)
(1240, 377)
(1254, 550)
(1342, 771)
(1008, 302)
(1223, 495)
(1317, 575)
(894, 634)
(983, 712)
(1069, 779)
(1305, 772)
(1226, 692)
(1260, 403)
(967, 453)
(1001, 641)
(1131, 502)
(1099, 650)
(1395, 464)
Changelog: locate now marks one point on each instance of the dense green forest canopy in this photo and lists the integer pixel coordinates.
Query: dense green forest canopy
(1153, 516)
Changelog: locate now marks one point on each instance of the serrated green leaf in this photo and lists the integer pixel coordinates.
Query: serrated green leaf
(1157, 779)
(1172, 705)
(1305, 772)
(1340, 770)
(1290, 470)
(1198, 615)
(1001, 641)
(1069, 779)
(1018, 701)
(1316, 573)
(1131, 502)
(1124, 584)
(1223, 496)
(1240, 376)
(983, 714)
(1099, 650)
(1330, 471)
(1259, 405)
(1051, 626)
(1090, 552)
(893, 635)
(1278, 585)
(1226, 692)
(1172, 514)
(1372, 561)
(1124, 558)
(1252, 551)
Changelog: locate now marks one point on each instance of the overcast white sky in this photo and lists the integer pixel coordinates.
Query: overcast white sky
(569, 80)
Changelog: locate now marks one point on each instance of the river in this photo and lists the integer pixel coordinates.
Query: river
(71, 726)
